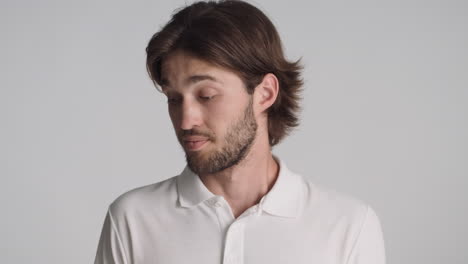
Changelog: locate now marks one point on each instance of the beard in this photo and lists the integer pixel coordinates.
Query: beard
(236, 145)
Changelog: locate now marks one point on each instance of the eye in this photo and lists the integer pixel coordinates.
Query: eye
(173, 100)
(206, 98)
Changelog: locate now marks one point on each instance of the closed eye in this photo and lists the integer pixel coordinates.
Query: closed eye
(173, 100)
(206, 98)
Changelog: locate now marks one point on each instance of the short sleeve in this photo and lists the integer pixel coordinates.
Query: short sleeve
(369, 246)
(110, 249)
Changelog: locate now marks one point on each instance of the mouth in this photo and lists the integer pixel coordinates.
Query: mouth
(194, 145)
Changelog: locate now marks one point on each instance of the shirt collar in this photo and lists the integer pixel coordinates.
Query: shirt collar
(284, 197)
(191, 190)
(282, 200)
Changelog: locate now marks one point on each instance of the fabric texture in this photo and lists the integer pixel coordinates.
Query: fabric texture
(179, 220)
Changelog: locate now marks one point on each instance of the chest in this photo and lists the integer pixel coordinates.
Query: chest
(218, 238)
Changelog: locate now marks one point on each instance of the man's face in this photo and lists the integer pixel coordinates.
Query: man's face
(211, 112)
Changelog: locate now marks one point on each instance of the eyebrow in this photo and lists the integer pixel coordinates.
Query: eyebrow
(198, 78)
(192, 80)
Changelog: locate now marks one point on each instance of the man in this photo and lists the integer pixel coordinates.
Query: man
(232, 96)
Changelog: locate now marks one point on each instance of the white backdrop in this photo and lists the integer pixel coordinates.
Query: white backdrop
(385, 118)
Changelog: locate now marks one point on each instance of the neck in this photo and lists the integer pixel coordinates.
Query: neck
(244, 184)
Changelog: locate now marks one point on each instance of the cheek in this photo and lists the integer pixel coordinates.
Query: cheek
(175, 118)
(172, 115)
(219, 120)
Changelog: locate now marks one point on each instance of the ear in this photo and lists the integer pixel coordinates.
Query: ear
(266, 92)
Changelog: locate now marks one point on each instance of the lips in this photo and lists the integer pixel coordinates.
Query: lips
(194, 138)
(194, 145)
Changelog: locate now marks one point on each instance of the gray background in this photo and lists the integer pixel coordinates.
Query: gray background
(385, 118)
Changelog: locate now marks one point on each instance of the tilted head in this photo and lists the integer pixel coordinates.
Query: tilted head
(237, 36)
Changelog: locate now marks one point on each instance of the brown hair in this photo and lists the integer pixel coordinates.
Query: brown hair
(237, 36)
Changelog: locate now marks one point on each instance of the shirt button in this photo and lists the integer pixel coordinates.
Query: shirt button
(214, 202)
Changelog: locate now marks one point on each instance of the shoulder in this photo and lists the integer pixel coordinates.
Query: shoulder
(346, 222)
(144, 198)
(334, 206)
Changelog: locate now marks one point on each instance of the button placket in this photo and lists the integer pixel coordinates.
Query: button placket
(233, 229)
(234, 246)
(223, 214)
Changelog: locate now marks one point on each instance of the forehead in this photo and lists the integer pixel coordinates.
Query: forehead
(179, 62)
(179, 68)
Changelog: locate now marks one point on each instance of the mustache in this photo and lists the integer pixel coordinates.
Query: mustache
(193, 132)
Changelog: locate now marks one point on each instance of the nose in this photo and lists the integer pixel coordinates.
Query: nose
(189, 115)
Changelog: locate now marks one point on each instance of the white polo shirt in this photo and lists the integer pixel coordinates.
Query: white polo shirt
(179, 220)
